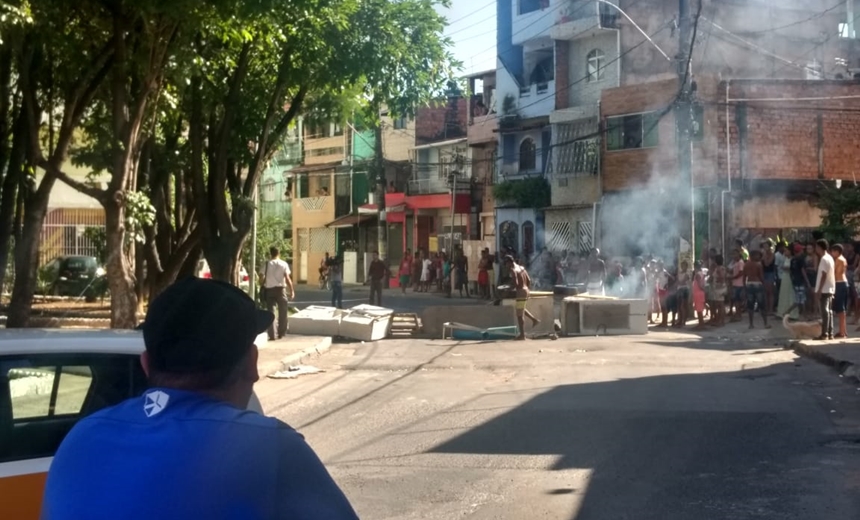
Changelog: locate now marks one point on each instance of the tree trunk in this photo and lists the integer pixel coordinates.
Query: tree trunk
(14, 170)
(123, 306)
(27, 255)
(223, 257)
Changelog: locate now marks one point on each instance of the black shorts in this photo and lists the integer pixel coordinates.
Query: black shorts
(840, 299)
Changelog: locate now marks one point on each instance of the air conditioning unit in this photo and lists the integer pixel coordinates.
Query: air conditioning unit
(582, 316)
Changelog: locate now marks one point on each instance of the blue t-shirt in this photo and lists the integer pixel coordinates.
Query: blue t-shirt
(171, 454)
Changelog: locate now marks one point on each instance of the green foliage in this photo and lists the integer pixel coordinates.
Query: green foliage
(270, 232)
(841, 213)
(532, 192)
(98, 238)
(139, 214)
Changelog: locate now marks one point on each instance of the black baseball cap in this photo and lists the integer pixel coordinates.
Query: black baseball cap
(198, 325)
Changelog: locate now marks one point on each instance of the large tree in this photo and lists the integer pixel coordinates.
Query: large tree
(183, 104)
(326, 57)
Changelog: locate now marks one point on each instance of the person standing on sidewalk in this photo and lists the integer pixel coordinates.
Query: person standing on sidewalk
(825, 288)
(188, 447)
(840, 296)
(376, 274)
(335, 273)
(276, 281)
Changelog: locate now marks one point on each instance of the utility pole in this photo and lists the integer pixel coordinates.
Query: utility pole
(684, 125)
(381, 225)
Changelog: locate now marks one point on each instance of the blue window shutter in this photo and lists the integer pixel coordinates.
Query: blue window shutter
(509, 142)
(545, 147)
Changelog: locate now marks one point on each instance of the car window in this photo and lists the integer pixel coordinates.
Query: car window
(43, 396)
(80, 263)
(42, 392)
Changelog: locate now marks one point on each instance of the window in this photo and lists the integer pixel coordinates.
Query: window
(528, 153)
(400, 123)
(43, 396)
(632, 131)
(337, 129)
(595, 66)
(530, 6)
(528, 239)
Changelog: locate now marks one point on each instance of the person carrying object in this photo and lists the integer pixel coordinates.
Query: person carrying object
(188, 447)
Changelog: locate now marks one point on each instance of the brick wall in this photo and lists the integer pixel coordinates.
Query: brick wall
(625, 169)
(793, 140)
(788, 141)
(441, 122)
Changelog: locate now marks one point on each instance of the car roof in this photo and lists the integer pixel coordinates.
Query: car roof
(70, 341)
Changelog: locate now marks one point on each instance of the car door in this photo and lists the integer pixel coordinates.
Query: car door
(42, 396)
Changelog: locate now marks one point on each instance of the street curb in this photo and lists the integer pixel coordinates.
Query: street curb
(845, 369)
(296, 358)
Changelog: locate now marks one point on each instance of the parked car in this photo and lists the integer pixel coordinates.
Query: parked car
(244, 280)
(49, 380)
(74, 276)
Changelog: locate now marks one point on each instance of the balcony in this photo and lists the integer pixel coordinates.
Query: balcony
(482, 129)
(531, 25)
(579, 18)
(537, 99)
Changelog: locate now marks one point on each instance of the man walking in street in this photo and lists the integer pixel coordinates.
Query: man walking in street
(825, 288)
(376, 274)
(276, 281)
(188, 448)
(522, 285)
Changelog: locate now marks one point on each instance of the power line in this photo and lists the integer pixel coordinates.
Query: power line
(588, 76)
(476, 11)
(540, 18)
(823, 42)
(469, 27)
(816, 16)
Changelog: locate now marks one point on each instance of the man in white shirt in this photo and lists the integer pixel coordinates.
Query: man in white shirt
(276, 281)
(825, 287)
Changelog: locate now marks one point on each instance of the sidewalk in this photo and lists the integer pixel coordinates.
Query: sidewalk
(290, 350)
(841, 354)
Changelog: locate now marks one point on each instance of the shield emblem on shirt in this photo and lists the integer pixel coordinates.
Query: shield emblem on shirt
(155, 402)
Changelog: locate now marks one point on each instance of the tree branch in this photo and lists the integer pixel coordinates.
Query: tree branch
(86, 189)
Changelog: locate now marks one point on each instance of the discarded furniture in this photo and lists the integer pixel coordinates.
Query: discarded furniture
(461, 331)
(589, 316)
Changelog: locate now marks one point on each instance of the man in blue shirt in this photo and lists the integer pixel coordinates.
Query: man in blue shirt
(188, 448)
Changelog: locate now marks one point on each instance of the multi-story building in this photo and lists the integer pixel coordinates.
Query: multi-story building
(587, 47)
(482, 137)
(786, 140)
(559, 58)
(327, 190)
(428, 215)
(525, 97)
(276, 180)
(737, 61)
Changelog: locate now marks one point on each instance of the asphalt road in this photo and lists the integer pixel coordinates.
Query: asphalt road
(665, 426)
(391, 298)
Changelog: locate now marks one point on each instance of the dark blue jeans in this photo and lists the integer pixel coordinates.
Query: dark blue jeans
(337, 294)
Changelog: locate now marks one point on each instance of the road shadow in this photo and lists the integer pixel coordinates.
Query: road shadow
(693, 446)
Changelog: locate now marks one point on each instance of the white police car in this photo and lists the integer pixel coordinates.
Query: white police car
(49, 380)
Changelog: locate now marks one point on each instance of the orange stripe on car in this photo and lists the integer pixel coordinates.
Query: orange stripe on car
(22, 485)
